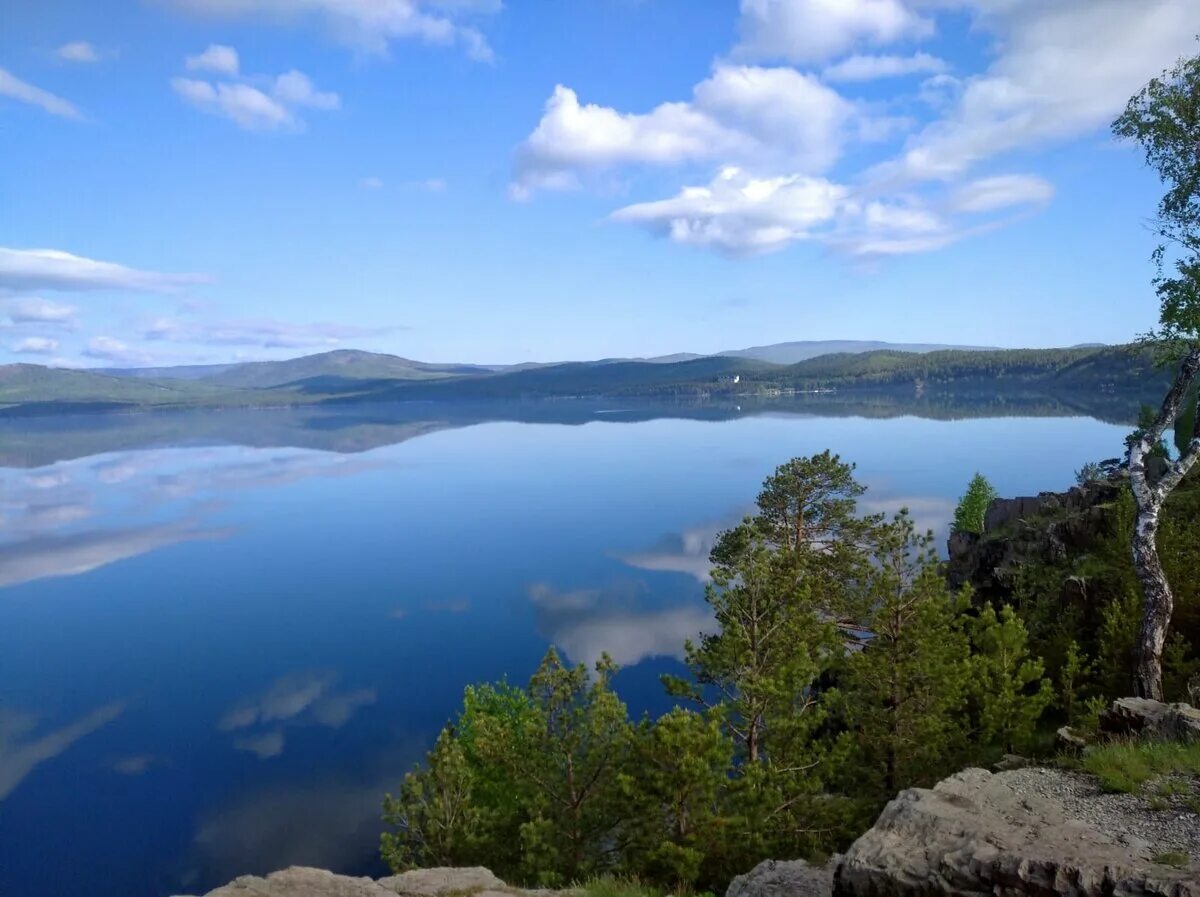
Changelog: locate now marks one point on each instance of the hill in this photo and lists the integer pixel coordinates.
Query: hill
(802, 350)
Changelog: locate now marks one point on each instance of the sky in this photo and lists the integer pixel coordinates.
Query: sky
(494, 181)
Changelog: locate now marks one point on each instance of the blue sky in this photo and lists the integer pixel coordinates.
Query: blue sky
(476, 180)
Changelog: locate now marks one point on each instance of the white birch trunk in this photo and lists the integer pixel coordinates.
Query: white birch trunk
(1159, 603)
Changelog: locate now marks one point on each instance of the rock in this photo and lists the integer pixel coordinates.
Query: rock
(1069, 740)
(977, 834)
(1143, 716)
(784, 878)
(443, 880)
(440, 882)
(302, 882)
(1011, 761)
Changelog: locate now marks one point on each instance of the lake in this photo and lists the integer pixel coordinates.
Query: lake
(224, 636)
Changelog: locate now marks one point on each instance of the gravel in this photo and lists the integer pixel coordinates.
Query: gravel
(1169, 825)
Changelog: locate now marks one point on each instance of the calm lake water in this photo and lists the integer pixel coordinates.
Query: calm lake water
(224, 636)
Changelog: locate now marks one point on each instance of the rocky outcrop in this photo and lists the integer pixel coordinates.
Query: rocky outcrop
(1049, 528)
(784, 878)
(978, 834)
(1143, 716)
(301, 882)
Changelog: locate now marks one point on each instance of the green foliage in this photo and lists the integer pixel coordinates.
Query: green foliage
(903, 695)
(1125, 766)
(531, 781)
(611, 886)
(1164, 117)
(972, 507)
(674, 787)
(840, 669)
(1076, 669)
(1007, 684)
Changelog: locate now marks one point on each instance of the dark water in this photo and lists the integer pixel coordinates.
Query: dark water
(224, 636)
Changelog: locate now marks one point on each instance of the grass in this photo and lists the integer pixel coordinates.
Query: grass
(1176, 858)
(611, 886)
(1125, 766)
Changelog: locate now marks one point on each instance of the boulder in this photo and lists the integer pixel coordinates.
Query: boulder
(443, 880)
(302, 882)
(1143, 716)
(977, 834)
(299, 881)
(1069, 740)
(784, 878)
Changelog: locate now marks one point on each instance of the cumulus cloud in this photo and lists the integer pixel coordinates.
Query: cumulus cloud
(35, 345)
(218, 58)
(296, 89)
(35, 310)
(371, 26)
(265, 334)
(23, 92)
(53, 269)
(871, 68)
(739, 214)
(739, 111)
(246, 106)
(805, 31)
(255, 103)
(77, 51)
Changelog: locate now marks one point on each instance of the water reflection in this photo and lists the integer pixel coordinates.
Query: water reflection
(293, 602)
(22, 749)
(293, 700)
(588, 623)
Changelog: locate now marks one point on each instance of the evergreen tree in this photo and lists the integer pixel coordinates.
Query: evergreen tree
(676, 788)
(972, 507)
(1008, 686)
(903, 695)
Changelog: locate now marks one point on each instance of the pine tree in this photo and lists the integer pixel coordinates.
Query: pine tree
(902, 696)
(1009, 689)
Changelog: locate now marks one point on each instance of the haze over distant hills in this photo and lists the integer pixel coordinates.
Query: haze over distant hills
(347, 376)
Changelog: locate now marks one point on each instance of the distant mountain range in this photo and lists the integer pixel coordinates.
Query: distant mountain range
(350, 376)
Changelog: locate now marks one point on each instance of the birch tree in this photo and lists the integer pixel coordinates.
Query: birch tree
(1164, 118)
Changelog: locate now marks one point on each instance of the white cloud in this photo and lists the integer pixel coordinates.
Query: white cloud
(739, 111)
(53, 269)
(1000, 192)
(572, 136)
(871, 68)
(247, 106)
(16, 89)
(371, 25)
(35, 345)
(254, 103)
(35, 310)
(296, 89)
(107, 348)
(741, 215)
(371, 183)
(217, 58)
(77, 51)
(806, 31)
(1064, 69)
